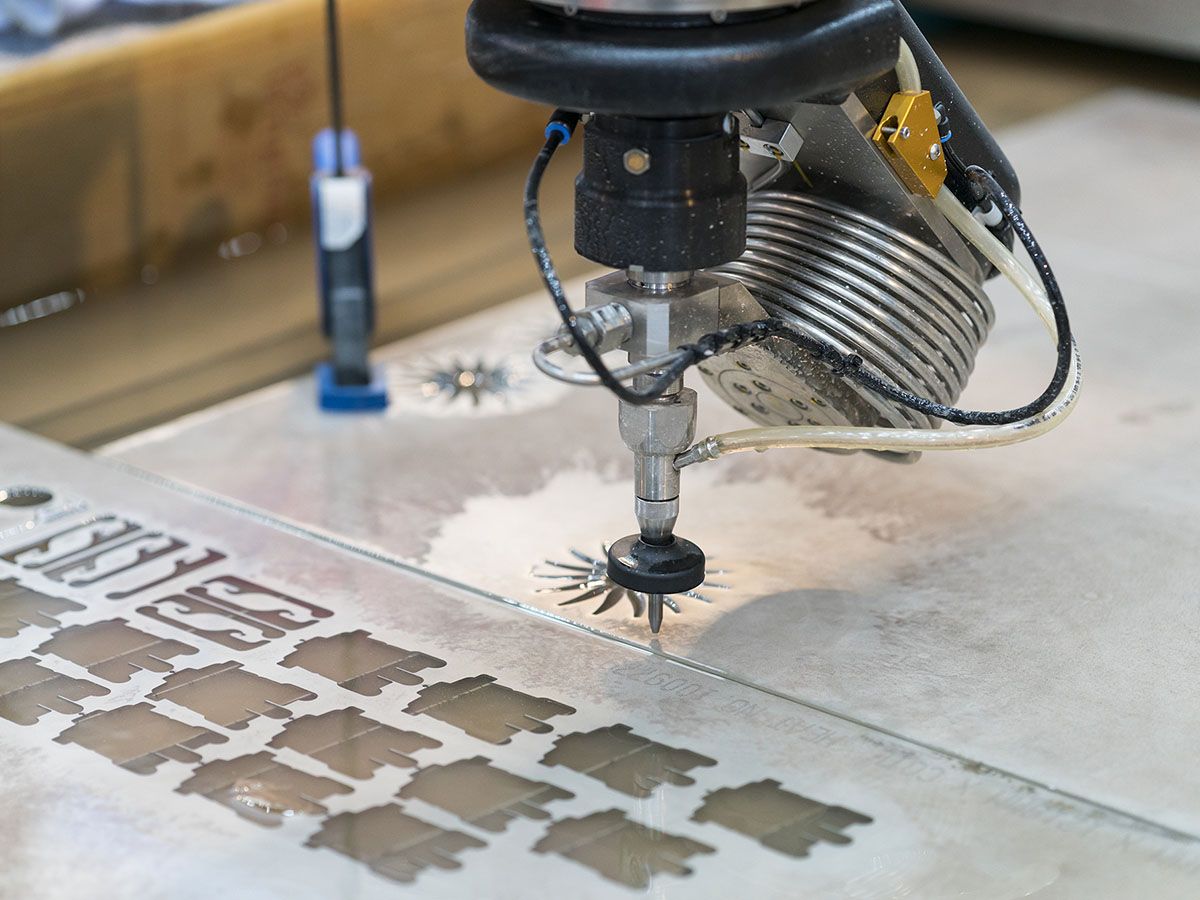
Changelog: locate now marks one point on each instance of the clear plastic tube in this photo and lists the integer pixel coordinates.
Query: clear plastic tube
(907, 73)
(919, 440)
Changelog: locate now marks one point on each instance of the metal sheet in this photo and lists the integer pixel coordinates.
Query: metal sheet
(618, 769)
(1032, 608)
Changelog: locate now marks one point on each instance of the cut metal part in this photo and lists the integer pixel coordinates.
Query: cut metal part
(487, 710)
(777, 818)
(625, 761)
(261, 789)
(482, 794)
(620, 849)
(393, 843)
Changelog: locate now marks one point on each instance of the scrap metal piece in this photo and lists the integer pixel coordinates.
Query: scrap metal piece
(393, 843)
(258, 788)
(21, 608)
(29, 691)
(625, 761)
(113, 649)
(778, 819)
(481, 794)
(351, 743)
(228, 695)
(359, 663)
(487, 710)
(137, 738)
(619, 849)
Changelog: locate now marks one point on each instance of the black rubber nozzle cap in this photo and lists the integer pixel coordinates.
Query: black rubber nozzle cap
(656, 568)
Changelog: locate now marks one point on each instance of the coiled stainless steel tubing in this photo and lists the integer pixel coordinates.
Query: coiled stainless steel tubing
(865, 287)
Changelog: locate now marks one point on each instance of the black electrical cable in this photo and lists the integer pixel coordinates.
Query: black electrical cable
(842, 365)
(335, 82)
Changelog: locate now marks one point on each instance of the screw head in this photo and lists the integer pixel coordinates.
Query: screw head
(905, 132)
(935, 151)
(637, 161)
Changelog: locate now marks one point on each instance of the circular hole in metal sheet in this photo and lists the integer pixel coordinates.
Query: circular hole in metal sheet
(24, 495)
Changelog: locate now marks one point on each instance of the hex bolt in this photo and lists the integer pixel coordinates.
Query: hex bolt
(637, 161)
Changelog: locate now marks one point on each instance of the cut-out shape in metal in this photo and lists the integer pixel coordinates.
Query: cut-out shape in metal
(22, 608)
(351, 743)
(137, 738)
(456, 380)
(777, 818)
(625, 761)
(586, 578)
(358, 662)
(260, 789)
(619, 849)
(393, 843)
(29, 691)
(481, 794)
(113, 649)
(487, 710)
(207, 611)
(228, 695)
(110, 561)
(75, 539)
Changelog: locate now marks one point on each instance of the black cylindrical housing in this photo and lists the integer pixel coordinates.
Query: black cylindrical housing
(664, 194)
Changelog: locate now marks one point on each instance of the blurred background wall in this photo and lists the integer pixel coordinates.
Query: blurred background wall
(155, 253)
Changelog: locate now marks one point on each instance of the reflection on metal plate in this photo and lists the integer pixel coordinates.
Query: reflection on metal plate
(261, 789)
(228, 695)
(625, 761)
(487, 710)
(22, 608)
(482, 794)
(392, 843)
(777, 818)
(351, 743)
(619, 849)
(359, 663)
(113, 649)
(138, 738)
(27, 691)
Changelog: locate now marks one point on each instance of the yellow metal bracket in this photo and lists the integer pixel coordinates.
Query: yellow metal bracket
(909, 140)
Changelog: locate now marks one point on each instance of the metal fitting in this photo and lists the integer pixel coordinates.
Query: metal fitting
(656, 518)
(662, 428)
(604, 327)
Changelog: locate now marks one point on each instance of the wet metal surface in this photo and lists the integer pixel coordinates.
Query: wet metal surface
(941, 826)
